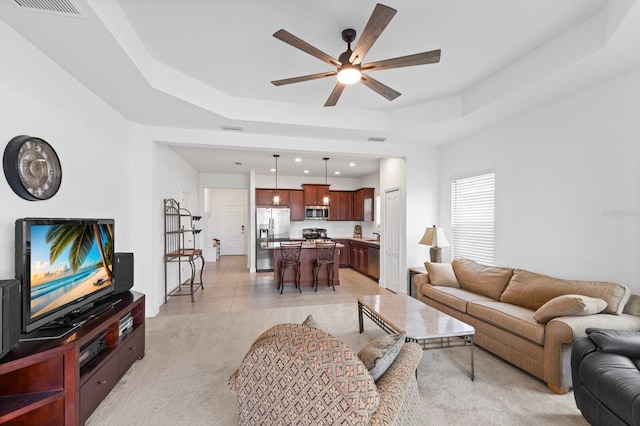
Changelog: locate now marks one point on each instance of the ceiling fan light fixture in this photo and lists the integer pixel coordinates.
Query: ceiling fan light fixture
(349, 74)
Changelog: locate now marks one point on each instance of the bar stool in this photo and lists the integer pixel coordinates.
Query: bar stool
(324, 258)
(289, 258)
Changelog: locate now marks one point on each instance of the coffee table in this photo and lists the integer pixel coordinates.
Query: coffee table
(426, 326)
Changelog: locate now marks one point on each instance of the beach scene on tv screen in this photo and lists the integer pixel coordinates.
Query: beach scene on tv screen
(68, 262)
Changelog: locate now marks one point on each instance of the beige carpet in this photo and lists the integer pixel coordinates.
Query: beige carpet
(183, 378)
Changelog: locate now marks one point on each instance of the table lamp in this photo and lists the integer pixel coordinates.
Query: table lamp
(435, 238)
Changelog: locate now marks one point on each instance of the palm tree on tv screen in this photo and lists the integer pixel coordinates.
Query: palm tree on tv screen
(79, 239)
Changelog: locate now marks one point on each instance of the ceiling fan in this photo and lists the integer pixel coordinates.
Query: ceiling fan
(349, 64)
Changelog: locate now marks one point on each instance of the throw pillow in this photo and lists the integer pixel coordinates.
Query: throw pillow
(441, 274)
(623, 342)
(488, 281)
(310, 322)
(380, 353)
(569, 304)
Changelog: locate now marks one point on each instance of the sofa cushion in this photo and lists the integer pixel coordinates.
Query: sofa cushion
(441, 274)
(533, 290)
(380, 353)
(569, 304)
(633, 305)
(455, 298)
(486, 280)
(623, 342)
(512, 318)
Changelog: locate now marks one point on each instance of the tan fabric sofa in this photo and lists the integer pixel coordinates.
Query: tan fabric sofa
(299, 375)
(503, 304)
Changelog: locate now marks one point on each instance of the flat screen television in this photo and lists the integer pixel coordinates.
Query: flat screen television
(65, 266)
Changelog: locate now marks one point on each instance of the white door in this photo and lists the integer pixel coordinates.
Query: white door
(392, 240)
(232, 231)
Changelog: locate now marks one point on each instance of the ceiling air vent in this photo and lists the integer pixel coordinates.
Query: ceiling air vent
(232, 128)
(55, 7)
(376, 139)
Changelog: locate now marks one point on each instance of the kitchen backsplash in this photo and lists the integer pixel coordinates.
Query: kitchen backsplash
(335, 229)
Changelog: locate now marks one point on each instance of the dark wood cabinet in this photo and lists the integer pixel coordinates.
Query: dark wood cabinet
(344, 253)
(42, 383)
(313, 194)
(341, 205)
(363, 206)
(359, 256)
(296, 204)
(264, 197)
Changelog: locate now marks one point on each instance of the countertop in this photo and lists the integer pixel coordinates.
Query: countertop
(305, 245)
(370, 241)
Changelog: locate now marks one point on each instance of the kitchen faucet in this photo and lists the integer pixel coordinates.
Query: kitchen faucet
(377, 234)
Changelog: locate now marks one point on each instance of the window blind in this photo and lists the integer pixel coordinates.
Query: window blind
(472, 217)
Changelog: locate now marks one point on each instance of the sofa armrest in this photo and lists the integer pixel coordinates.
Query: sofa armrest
(420, 280)
(398, 389)
(561, 332)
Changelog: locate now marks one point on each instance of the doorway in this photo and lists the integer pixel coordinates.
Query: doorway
(392, 232)
(233, 230)
(226, 211)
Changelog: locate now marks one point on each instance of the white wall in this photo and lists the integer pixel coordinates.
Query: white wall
(567, 184)
(92, 141)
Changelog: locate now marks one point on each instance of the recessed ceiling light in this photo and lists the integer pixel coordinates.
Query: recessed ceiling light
(352, 164)
(272, 170)
(306, 171)
(297, 160)
(336, 172)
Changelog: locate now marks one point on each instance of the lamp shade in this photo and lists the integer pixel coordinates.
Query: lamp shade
(434, 237)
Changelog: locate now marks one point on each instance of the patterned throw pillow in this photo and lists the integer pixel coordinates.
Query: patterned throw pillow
(380, 353)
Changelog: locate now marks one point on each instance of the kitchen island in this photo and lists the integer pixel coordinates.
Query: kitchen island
(307, 256)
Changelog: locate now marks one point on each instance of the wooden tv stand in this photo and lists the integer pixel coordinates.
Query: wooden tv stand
(42, 383)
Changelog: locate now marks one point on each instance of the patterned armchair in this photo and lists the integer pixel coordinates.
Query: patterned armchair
(299, 375)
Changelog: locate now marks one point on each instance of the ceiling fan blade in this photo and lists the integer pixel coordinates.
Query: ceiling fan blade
(335, 95)
(431, 57)
(303, 78)
(378, 21)
(294, 41)
(379, 88)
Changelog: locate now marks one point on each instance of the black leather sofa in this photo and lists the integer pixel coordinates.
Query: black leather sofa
(606, 376)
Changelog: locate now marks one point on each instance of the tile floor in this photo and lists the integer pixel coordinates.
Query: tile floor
(228, 286)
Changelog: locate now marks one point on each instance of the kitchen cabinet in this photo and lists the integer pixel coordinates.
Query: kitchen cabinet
(296, 204)
(344, 253)
(363, 204)
(264, 197)
(359, 256)
(341, 205)
(313, 194)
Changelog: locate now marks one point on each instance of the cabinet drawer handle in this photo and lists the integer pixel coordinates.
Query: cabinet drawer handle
(102, 382)
(133, 348)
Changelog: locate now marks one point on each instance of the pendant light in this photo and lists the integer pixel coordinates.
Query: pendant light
(276, 195)
(325, 197)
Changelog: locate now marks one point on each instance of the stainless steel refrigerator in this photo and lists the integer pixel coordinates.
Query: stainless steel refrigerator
(272, 225)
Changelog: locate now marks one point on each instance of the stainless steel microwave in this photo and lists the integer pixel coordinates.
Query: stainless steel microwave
(316, 212)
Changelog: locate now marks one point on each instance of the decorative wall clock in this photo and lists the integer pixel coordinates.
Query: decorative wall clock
(32, 168)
